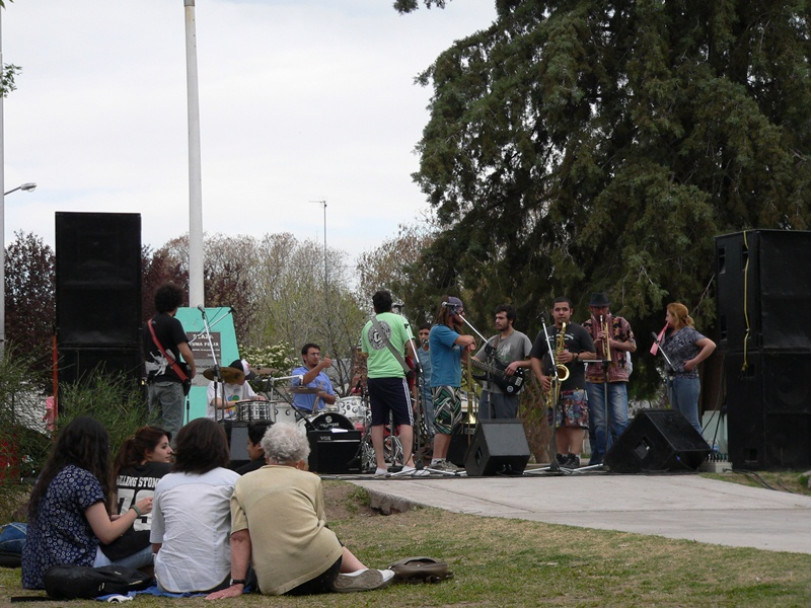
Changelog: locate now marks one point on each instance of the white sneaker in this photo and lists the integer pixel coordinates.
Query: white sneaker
(381, 472)
(363, 580)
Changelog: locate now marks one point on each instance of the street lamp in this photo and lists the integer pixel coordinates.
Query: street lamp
(26, 187)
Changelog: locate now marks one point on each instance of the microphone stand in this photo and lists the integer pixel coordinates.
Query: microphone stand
(217, 373)
(669, 363)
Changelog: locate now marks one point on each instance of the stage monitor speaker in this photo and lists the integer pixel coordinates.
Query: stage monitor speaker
(334, 452)
(764, 288)
(769, 410)
(237, 433)
(461, 439)
(656, 441)
(499, 447)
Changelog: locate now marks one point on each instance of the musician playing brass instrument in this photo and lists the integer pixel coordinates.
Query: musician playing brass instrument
(504, 354)
(571, 414)
(607, 379)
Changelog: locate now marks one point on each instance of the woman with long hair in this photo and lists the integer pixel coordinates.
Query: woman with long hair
(68, 515)
(144, 458)
(685, 347)
(191, 520)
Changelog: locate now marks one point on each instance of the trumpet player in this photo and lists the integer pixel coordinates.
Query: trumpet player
(572, 345)
(607, 378)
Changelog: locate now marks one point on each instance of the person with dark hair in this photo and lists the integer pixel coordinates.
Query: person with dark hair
(226, 396)
(571, 345)
(385, 340)
(279, 528)
(311, 376)
(506, 352)
(67, 514)
(426, 400)
(448, 349)
(142, 460)
(607, 378)
(191, 516)
(685, 348)
(164, 386)
(256, 430)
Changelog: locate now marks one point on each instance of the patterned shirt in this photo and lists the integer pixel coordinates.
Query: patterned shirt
(680, 346)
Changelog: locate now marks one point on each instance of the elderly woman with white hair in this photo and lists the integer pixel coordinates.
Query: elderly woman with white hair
(278, 527)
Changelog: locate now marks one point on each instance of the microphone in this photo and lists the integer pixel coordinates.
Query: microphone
(232, 310)
(202, 309)
(655, 337)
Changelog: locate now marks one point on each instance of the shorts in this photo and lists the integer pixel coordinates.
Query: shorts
(447, 408)
(573, 410)
(390, 395)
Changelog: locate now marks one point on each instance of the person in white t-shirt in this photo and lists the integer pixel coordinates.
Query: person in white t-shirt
(223, 398)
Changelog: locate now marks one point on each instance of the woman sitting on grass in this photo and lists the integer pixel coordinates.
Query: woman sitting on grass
(67, 513)
(143, 459)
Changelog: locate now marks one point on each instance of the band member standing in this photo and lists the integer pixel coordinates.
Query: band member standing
(448, 348)
(424, 355)
(313, 377)
(607, 378)
(509, 349)
(572, 415)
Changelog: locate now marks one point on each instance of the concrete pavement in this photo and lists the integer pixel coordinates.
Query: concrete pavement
(684, 506)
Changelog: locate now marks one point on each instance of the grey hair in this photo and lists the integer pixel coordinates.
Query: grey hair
(285, 444)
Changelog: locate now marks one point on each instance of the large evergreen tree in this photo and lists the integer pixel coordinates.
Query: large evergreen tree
(585, 145)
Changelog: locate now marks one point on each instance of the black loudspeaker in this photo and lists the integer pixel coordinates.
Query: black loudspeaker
(461, 439)
(769, 410)
(764, 287)
(498, 447)
(237, 433)
(98, 293)
(334, 452)
(656, 441)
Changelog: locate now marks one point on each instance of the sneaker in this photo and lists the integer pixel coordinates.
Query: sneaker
(561, 458)
(413, 472)
(363, 580)
(381, 472)
(445, 466)
(572, 461)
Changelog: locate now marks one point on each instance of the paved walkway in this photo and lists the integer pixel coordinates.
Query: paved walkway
(682, 506)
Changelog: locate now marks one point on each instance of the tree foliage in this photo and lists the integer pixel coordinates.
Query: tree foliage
(586, 146)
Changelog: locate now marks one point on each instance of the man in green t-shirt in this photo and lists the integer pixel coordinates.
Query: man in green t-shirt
(383, 336)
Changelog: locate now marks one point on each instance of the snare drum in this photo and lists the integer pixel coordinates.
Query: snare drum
(257, 409)
(353, 408)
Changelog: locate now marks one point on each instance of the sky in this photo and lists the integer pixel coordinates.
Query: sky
(300, 101)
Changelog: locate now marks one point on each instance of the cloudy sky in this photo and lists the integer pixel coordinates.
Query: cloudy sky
(300, 101)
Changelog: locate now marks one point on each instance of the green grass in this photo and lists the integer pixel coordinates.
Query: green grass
(501, 562)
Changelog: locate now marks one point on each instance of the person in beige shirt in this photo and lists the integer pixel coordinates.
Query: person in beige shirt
(288, 501)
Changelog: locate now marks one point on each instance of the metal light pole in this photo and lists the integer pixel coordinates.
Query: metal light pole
(196, 289)
(26, 187)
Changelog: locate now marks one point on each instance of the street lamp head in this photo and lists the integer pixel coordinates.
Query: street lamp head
(28, 186)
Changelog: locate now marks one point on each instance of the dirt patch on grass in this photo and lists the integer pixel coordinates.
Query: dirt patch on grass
(346, 501)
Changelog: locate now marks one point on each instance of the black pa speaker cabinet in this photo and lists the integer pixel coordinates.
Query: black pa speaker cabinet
(334, 452)
(237, 433)
(498, 447)
(764, 285)
(98, 293)
(769, 410)
(461, 438)
(657, 440)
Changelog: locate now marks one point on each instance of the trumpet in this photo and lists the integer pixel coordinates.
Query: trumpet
(604, 327)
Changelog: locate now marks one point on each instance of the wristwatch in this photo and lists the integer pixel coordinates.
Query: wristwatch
(237, 581)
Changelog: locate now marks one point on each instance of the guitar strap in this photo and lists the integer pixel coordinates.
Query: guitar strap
(175, 366)
(379, 329)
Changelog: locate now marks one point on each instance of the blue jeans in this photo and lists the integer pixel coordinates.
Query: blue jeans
(606, 432)
(140, 559)
(166, 401)
(497, 405)
(683, 395)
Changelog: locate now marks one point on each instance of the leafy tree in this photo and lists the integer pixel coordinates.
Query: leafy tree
(30, 297)
(581, 146)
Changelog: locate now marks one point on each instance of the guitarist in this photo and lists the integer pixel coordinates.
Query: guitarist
(164, 385)
(509, 349)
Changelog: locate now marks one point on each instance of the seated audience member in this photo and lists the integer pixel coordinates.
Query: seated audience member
(256, 430)
(191, 515)
(279, 528)
(143, 459)
(67, 513)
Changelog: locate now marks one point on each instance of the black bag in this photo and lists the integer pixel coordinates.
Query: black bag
(73, 582)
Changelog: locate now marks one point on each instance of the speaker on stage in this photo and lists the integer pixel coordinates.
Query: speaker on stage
(657, 440)
(498, 447)
(334, 452)
(461, 439)
(237, 433)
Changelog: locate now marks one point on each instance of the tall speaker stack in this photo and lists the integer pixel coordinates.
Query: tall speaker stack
(764, 299)
(98, 294)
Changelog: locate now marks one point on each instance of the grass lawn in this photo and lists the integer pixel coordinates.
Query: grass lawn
(506, 562)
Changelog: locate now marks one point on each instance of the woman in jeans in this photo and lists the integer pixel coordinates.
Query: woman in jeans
(685, 348)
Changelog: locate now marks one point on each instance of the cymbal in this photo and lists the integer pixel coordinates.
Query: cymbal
(305, 390)
(230, 375)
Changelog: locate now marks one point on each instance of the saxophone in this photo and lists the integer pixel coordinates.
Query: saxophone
(560, 346)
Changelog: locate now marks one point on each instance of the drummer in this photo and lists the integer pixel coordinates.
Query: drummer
(312, 388)
(234, 390)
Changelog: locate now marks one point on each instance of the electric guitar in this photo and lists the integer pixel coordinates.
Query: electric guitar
(496, 374)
